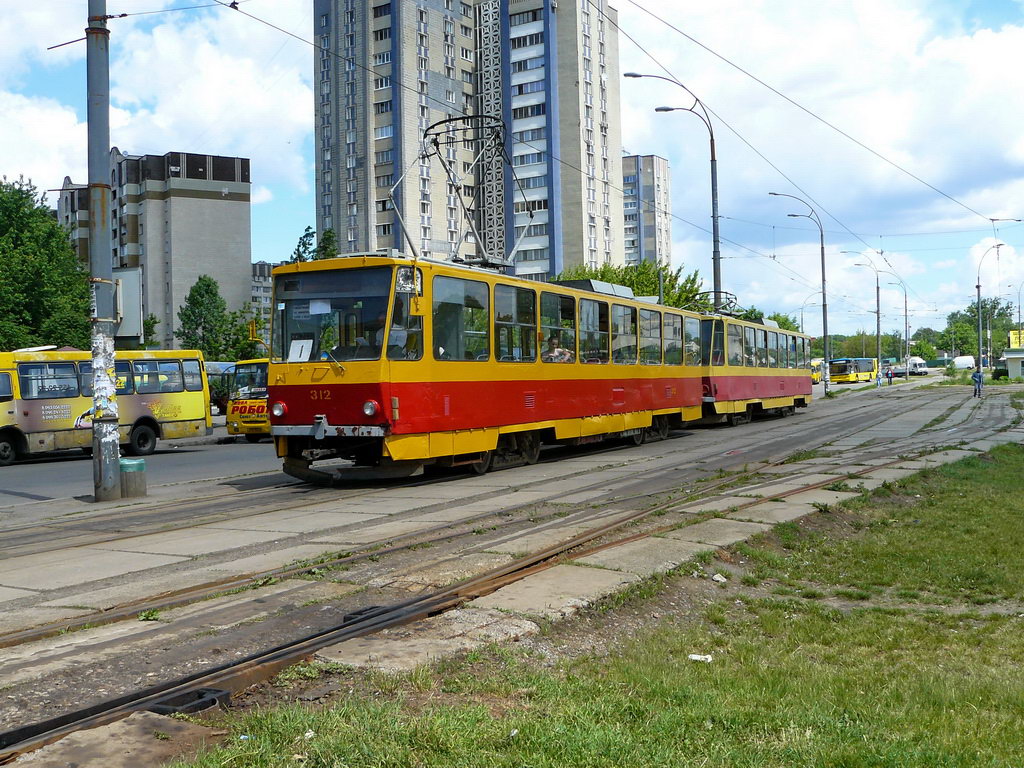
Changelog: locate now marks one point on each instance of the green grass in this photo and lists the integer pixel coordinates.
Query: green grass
(794, 681)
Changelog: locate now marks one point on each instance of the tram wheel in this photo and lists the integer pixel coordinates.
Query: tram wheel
(735, 419)
(529, 446)
(481, 467)
(639, 438)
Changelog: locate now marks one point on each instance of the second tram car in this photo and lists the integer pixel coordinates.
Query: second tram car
(397, 363)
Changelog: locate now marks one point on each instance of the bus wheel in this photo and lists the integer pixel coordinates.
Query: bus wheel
(529, 446)
(481, 467)
(8, 453)
(142, 441)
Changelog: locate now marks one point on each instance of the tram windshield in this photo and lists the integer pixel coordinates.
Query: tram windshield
(330, 315)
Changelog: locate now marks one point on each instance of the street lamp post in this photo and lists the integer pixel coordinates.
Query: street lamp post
(997, 246)
(878, 306)
(716, 249)
(1020, 328)
(906, 325)
(813, 216)
(806, 302)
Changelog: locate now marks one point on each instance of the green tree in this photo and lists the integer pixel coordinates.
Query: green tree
(924, 350)
(785, 322)
(237, 344)
(203, 318)
(678, 290)
(305, 248)
(44, 289)
(149, 324)
(328, 245)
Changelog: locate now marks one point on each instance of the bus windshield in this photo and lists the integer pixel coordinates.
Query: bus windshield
(329, 315)
(840, 367)
(250, 382)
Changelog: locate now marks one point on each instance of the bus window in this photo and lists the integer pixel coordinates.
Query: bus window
(673, 332)
(122, 378)
(153, 376)
(735, 344)
(193, 375)
(593, 331)
(6, 388)
(650, 337)
(749, 346)
(558, 321)
(460, 319)
(773, 349)
(623, 334)
(515, 323)
(46, 380)
(691, 341)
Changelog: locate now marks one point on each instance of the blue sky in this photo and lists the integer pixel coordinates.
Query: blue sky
(931, 85)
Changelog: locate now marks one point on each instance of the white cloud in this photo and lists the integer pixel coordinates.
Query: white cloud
(261, 194)
(42, 140)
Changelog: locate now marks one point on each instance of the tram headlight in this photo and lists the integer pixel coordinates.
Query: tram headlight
(279, 409)
(370, 407)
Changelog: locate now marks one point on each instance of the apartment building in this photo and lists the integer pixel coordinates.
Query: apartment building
(647, 209)
(549, 71)
(262, 288)
(174, 217)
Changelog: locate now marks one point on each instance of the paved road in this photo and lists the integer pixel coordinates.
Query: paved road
(69, 473)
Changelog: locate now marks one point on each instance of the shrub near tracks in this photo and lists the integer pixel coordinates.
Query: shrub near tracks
(792, 682)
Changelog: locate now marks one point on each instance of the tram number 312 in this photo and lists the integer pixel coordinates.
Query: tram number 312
(319, 394)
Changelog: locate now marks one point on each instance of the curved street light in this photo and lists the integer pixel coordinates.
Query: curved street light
(813, 216)
(906, 323)
(806, 302)
(997, 246)
(716, 249)
(1020, 327)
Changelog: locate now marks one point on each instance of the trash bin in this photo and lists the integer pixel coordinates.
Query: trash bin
(133, 478)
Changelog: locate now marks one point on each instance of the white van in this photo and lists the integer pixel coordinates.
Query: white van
(917, 366)
(963, 362)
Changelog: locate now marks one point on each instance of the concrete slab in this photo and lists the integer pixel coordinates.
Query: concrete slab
(26, 618)
(646, 557)
(152, 586)
(776, 488)
(544, 536)
(63, 568)
(452, 515)
(715, 505)
(876, 462)
(279, 558)
(556, 592)
(582, 497)
(867, 483)
(772, 512)
(128, 743)
(834, 460)
(401, 649)
(8, 593)
(374, 533)
(821, 496)
(201, 540)
(441, 574)
(888, 473)
(718, 531)
(788, 469)
(948, 457)
(291, 522)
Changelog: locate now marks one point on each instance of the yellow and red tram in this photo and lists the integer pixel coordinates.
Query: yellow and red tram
(397, 363)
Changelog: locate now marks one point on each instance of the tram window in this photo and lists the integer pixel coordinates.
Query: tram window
(712, 342)
(691, 342)
(735, 344)
(749, 346)
(623, 334)
(773, 349)
(718, 350)
(593, 331)
(558, 321)
(122, 378)
(334, 315)
(460, 319)
(805, 357)
(793, 341)
(515, 324)
(46, 380)
(650, 337)
(761, 339)
(673, 333)
(6, 388)
(405, 336)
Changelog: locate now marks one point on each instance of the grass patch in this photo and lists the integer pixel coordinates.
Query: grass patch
(804, 456)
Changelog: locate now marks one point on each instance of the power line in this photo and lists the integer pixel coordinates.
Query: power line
(799, 106)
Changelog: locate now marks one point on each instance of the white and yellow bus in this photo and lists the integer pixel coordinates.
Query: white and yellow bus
(247, 402)
(46, 400)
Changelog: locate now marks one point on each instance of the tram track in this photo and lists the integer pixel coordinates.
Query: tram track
(238, 676)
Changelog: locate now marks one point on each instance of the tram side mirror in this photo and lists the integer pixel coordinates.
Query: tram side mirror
(409, 280)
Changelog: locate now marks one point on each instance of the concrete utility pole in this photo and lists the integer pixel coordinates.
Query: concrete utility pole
(106, 470)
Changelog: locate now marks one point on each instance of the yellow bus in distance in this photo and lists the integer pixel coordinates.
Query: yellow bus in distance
(247, 402)
(46, 400)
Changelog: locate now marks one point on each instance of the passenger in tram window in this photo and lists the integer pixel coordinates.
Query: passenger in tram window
(554, 352)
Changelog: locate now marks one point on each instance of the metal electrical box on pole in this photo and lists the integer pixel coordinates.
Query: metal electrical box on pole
(105, 444)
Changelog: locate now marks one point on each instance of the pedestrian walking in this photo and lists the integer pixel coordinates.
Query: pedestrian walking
(888, 374)
(878, 379)
(978, 378)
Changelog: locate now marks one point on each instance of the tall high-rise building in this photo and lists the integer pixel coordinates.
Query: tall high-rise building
(647, 209)
(175, 217)
(548, 71)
